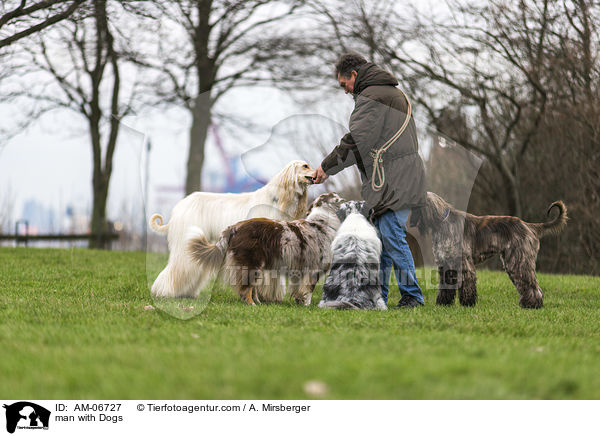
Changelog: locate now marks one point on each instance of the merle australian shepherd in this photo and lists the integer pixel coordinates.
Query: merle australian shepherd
(258, 256)
(353, 281)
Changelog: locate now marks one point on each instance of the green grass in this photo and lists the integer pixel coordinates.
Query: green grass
(73, 325)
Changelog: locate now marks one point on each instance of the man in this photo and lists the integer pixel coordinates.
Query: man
(383, 144)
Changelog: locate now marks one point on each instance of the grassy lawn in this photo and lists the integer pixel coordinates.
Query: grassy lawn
(73, 325)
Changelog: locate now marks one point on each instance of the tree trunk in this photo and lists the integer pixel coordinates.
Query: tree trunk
(201, 115)
(101, 174)
(99, 226)
(513, 196)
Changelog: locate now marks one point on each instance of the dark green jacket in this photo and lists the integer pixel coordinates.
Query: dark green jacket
(379, 111)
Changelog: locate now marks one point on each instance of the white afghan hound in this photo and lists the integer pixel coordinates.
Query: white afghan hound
(283, 198)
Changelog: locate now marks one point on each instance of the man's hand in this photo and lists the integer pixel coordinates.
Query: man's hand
(320, 175)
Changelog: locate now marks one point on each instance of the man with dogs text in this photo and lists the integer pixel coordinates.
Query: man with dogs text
(382, 143)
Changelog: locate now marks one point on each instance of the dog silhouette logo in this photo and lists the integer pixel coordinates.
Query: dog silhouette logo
(26, 415)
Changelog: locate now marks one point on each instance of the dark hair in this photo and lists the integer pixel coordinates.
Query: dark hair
(347, 63)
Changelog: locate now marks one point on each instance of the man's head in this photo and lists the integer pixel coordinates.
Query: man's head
(346, 69)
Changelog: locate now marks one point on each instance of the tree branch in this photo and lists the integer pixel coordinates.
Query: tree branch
(40, 26)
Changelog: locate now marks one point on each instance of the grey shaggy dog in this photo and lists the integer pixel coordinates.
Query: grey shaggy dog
(353, 281)
(462, 240)
(257, 256)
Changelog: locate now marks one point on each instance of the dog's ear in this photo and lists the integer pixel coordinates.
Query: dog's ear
(416, 216)
(287, 182)
(421, 218)
(337, 200)
(343, 212)
(429, 216)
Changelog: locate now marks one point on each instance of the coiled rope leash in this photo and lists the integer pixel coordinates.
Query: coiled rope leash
(378, 153)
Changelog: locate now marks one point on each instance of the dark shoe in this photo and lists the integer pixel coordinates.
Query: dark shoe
(408, 302)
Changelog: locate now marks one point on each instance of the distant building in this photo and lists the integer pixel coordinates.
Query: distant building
(40, 218)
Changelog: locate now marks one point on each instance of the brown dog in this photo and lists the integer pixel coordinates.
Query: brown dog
(258, 256)
(461, 240)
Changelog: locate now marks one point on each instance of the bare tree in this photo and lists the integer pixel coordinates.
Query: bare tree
(517, 83)
(80, 67)
(204, 48)
(21, 18)
(481, 65)
(494, 67)
(565, 160)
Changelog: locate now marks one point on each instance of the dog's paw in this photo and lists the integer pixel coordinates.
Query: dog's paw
(531, 303)
(303, 301)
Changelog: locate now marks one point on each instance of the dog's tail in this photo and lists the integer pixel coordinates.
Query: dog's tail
(337, 304)
(203, 252)
(158, 227)
(555, 226)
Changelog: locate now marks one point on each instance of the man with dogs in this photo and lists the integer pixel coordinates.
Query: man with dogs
(382, 143)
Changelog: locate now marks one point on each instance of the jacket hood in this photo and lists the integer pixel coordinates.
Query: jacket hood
(370, 74)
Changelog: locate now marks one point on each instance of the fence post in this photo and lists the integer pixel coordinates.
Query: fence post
(26, 223)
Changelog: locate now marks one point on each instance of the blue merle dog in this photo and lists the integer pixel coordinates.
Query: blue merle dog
(353, 281)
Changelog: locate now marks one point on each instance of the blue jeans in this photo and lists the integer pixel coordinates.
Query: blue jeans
(395, 252)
